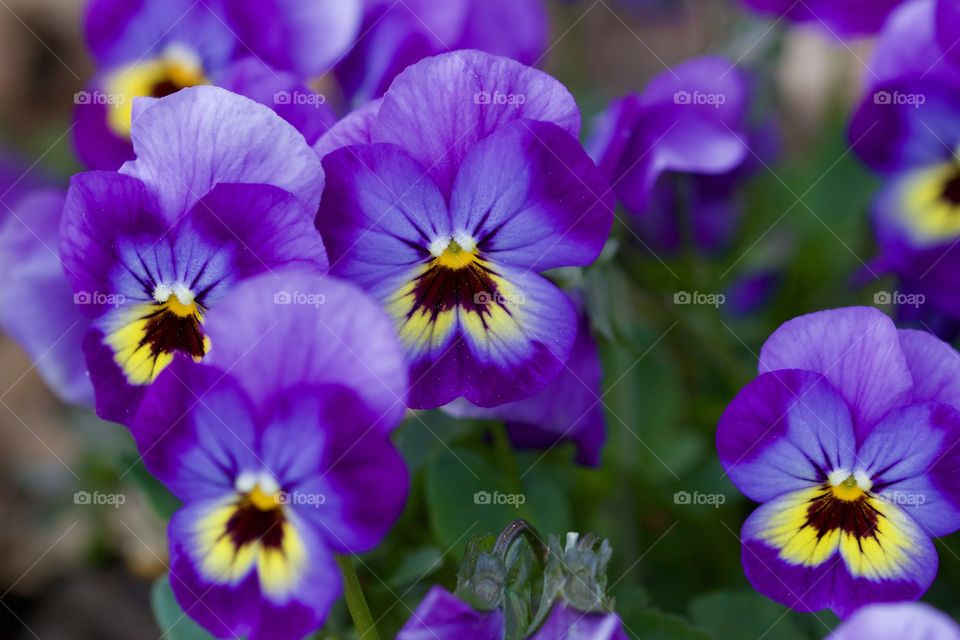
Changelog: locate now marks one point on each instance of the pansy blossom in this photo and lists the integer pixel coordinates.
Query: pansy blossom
(150, 250)
(278, 446)
(850, 440)
(472, 184)
(152, 48)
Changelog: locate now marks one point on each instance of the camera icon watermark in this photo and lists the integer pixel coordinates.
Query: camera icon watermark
(96, 498)
(514, 500)
(299, 298)
(98, 97)
(499, 98)
(915, 300)
(698, 98)
(897, 98)
(100, 298)
(301, 498)
(698, 499)
(715, 300)
(307, 98)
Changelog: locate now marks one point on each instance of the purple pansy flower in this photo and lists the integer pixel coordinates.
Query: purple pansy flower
(684, 142)
(906, 129)
(222, 189)
(450, 213)
(395, 35)
(568, 409)
(901, 621)
(156, 47)
(443, 615)
(838, 17)
(850, 439)
(278, 445)
(37, 305)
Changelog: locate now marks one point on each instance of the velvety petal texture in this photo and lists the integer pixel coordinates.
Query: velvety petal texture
(442, 615)
(901, 621)
(566, 623)
(290, 35)
(450, 212)
(246, 143)
(397, 35)
(846, 346)
(38, 307)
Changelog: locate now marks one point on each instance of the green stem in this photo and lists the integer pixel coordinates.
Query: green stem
(357, 604)
(501, 442)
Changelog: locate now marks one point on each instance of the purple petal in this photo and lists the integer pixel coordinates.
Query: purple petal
(103, 209)
(712, 87)
(121, 31)
(355, 128)
(857, 349)
(934, 366)
(303, 37)
(304, 328)
(96, 144)
(906, 125)
(516, 29)
(531, 197)
(327, 437)
(379, 213)
(948, 28)
(37, 304)
(261, 226)
(898, 621)
(783, 432)
(283, 93)
(195, 427)
(839, 18)
(565, 623)
(669, 139)
(246, 143)
(913, 455)
(439, 108)
(442, 615)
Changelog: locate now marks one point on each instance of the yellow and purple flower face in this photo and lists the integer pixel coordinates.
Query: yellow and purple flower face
(848, 438)
(150, 251)
(153, 48)
(284, 460)
(451, 212)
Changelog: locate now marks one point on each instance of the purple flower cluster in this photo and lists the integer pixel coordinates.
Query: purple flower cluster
(906, 129)
(197, 292)
(260, 292)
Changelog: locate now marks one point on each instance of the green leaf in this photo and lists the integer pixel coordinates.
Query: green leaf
(468, 494)
(655, 625)
(171, 619)
(415, 565)
(744, 615)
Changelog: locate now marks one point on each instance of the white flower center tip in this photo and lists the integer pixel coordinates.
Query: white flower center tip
(163, 291)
